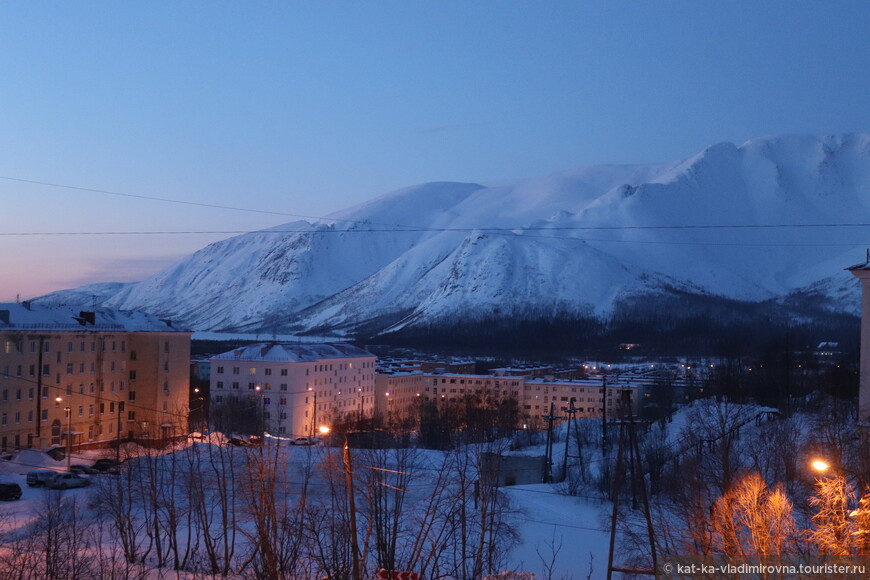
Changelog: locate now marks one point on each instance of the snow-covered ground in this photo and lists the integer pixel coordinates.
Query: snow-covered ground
(555, 529)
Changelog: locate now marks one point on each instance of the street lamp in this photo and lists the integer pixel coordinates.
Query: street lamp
(348, 470)
(68, 411)
(820, 465)
(314, 414)
(262, 409)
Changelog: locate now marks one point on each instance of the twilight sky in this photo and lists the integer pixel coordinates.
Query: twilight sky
(304, 108)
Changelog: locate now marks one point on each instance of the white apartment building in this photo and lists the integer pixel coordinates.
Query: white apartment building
(300, 386)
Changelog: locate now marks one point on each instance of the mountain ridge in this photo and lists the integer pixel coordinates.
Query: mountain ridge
(739, 222)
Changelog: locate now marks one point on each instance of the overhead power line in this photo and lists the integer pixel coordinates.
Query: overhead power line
(176, 201)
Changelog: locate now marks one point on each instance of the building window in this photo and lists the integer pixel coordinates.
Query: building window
(45, 414)
(132, 355)
(268, 371)
(235, 385)
(284, 372)
(132, 376)
(220, 370)
(220, 384)
(131, 396)
(131, 415)
(235, 370)
(252, 371)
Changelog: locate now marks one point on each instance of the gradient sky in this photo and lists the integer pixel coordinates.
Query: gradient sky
(308, 107)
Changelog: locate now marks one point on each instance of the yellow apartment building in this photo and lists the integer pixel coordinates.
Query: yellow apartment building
(95, 376)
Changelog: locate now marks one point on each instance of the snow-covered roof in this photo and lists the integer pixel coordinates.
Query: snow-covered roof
(30, 316)
(283, 352)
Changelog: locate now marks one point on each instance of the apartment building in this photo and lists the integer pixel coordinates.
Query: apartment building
(397, 392)
(299, 386)
(534, 395)
(93, 376)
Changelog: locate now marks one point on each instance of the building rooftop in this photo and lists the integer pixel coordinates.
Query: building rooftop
(284, 352)
(31, 316)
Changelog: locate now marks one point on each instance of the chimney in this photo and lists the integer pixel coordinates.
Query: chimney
(86, 317)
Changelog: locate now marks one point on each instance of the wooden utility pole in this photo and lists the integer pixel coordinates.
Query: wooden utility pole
(628, 437)
(548, 462)
(354, 544)
(572, 411)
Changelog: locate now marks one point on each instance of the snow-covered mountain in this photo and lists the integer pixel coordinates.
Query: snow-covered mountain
(756, 222)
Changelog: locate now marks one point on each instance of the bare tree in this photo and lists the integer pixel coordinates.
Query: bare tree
(751, 519)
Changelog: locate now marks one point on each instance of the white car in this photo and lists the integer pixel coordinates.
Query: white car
(67, 481)
(303, 441)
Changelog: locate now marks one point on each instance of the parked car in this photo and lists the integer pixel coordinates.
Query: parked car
(10, 491)
(67, 481)
(107, 466)
(40, 477)
(303, 441)
(83, 470)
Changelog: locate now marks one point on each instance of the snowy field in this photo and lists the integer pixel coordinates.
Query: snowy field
(558, 534)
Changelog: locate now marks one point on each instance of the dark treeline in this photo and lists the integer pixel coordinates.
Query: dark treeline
(678, 324)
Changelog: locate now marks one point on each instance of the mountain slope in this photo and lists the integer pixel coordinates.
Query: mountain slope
(574, 244)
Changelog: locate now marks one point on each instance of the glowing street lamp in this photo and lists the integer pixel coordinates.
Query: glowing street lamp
(348, 470)
(820, 465)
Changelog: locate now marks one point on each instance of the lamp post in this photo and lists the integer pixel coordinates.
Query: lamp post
(314, 414)
(120, 405)
(262, 409)
(68, 411)
(348, 470)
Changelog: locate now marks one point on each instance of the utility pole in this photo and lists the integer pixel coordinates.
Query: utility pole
(38, 389)
(628, 437)
(68, 436)
(354, 545)
(571, 413)
(603, 410)
(118, 435)
(548, 462)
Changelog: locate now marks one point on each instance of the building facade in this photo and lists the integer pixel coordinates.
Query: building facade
(401, 391)
(298, 387)
(95, 376)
